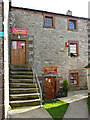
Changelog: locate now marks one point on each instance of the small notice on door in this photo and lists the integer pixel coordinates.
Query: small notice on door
(19, 44)
(14, 44)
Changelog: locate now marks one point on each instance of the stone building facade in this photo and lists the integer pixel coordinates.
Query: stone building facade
(1, 64)
(88, 66)
(51, 45)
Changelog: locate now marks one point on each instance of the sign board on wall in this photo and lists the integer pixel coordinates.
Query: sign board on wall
(50, 69)
(19, 31)
(1, 34)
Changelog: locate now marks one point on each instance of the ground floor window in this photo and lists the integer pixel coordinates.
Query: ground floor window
(74, 77)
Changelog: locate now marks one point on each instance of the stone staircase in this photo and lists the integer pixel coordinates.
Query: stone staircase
(24, 91)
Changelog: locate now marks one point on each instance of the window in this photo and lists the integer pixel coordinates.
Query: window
(74, 77)
(72, 24)
(48, 20)
(73, 49)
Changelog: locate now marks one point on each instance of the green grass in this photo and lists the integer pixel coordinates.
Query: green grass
(89, 104)
(56, 109)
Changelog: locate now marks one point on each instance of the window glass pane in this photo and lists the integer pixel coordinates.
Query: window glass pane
(48, 21)
(71, 24)
(73, 78)
(72, 48)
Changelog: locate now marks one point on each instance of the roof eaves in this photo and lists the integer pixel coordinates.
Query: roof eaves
(50, 12)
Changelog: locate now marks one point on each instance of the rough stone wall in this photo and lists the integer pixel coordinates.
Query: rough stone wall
(1, 67)
(49, 44)
(88, 69)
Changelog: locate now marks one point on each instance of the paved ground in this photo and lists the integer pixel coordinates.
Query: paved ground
(30, 113)
(75, 96)
(77, 109)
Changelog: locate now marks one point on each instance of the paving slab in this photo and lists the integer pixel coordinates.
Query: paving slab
(75, 96)
(37, 113)
(78, 109)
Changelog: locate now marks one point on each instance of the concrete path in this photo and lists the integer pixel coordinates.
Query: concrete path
(75, 96)
(30, 113)
(78, 107)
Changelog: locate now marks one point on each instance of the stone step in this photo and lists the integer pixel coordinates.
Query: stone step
(23, 90)
(19, 95)
(21, 76)
(21, 80)
(20, 67)
(21, 73)
(22, 85)
(22, 103)
(24, 96)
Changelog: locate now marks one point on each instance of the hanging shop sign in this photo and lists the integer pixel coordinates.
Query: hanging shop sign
(1, 34)
(66, 44)
(50, 69)
(88, 75)
(19, 31)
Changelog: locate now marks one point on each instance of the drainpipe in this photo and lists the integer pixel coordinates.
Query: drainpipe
(6, 58)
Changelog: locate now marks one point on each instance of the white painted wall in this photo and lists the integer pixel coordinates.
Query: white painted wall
(6, 56)
(89, 9)
(88, 70)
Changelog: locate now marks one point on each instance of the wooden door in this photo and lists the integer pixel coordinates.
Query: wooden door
(18, 52)
(50, 87)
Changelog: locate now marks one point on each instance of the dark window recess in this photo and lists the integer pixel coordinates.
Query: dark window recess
(73, 54)
(48, 21)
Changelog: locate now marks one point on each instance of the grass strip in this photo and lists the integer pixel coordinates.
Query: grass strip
(56, 109)
(89, 104)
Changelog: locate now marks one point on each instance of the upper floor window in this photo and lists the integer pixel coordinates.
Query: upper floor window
(73, 49)
(72, 24)
(48, 20)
